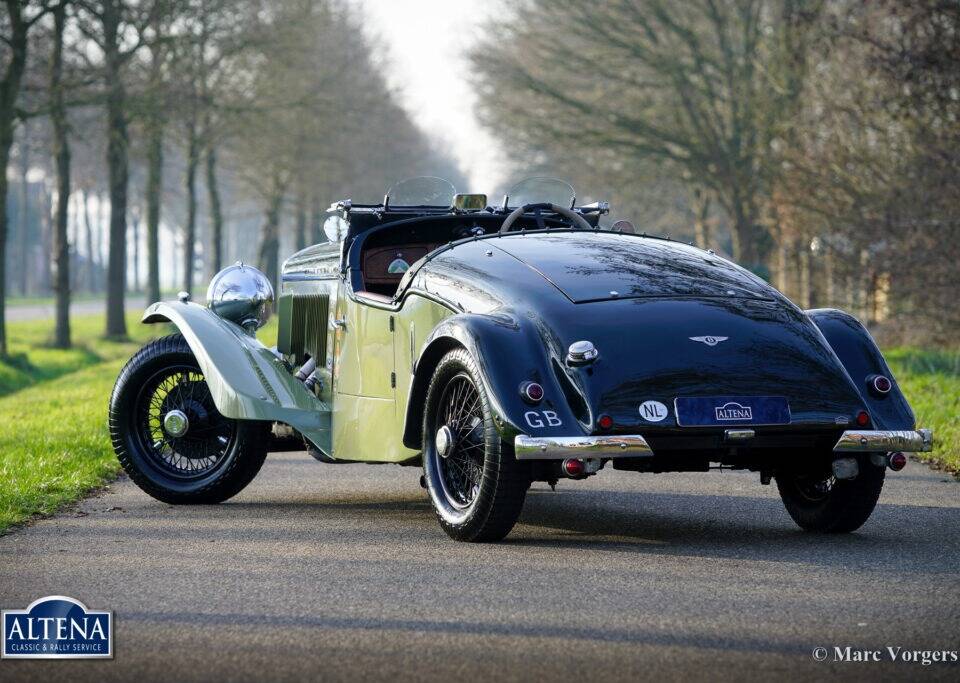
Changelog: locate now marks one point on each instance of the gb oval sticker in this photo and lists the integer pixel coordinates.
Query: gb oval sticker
(653, 411)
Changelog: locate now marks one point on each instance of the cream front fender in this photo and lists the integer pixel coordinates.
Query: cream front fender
(247, 381)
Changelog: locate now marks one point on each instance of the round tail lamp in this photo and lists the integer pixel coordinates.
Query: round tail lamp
(879, 385)
(531, 392)
(897, 461)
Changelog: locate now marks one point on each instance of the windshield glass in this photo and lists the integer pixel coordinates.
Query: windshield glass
(421, 191)
(541, 191)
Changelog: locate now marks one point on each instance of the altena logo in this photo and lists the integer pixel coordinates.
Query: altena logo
(57, 627)
(734, 411)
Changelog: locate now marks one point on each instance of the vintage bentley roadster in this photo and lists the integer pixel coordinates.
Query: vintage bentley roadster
(495, 346)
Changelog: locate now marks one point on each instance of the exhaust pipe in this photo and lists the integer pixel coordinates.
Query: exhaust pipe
(846, 468)
(304, 372)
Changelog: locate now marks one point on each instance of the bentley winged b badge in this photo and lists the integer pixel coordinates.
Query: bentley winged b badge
(708, 340)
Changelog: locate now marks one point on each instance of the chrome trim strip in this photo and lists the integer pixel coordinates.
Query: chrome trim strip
(562, 447)
(307, 277)
(866, 440)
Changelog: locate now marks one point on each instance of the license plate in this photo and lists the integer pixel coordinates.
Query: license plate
(718, 411)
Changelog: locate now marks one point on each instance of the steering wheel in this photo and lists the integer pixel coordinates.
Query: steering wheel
(574, 217)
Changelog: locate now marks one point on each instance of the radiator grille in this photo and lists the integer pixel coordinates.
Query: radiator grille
(303, 325)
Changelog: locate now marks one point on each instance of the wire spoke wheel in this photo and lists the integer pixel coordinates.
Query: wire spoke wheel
(461, 465)
(206, 437)
(818, 501)
(815, 488)
(170, 437)
(475, 483)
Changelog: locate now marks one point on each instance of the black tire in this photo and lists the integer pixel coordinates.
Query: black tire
(484, 503)
(212, 462)
(827, 505)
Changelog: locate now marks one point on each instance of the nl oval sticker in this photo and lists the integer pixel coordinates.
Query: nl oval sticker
(653, 411)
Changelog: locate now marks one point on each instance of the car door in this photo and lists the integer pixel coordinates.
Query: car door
(364, 380)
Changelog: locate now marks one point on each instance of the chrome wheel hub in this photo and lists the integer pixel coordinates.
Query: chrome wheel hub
(444, 441)
(176, 423)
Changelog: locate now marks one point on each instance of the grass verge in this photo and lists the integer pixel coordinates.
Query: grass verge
(54, 443)
(59, 449)
(931, 382)
(33, 360)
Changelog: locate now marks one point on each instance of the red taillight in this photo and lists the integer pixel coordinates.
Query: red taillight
(897, 461)
(531, 392)
(863, 418)
(573, 467)
(605, 422)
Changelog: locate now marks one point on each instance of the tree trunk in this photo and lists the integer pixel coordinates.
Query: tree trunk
(6, 139)
(9, 91)
(216, 212)
(74, 241)
(829, 277)
(864, 280)
(91, 279)
(117, 163)
(45, 282)
(190, 185)
(99, 238)
(270, 240)
(783, 264)
(135, 236)
(154, 190)
(701, 213)
(805, 284)
(301, 226)
(61, 154)
(744, 236)
(316, 221)
(174, 255)
(23, 213)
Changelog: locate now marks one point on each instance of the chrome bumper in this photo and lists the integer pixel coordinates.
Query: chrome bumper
(563, 447)
(866, 440)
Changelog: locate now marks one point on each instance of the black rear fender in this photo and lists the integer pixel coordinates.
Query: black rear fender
(861, 358)
(509, 351)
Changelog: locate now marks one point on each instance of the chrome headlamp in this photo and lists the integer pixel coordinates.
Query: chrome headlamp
(241, 294)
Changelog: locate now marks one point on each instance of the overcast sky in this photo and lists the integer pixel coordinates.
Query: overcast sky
(425, 45)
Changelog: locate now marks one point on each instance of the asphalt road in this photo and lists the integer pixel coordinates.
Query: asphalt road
(341, 572)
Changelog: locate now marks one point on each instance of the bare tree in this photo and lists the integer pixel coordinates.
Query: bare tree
(154, 116)
(20, 17)
(701, 88)
(61, 155)
(108, 24)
